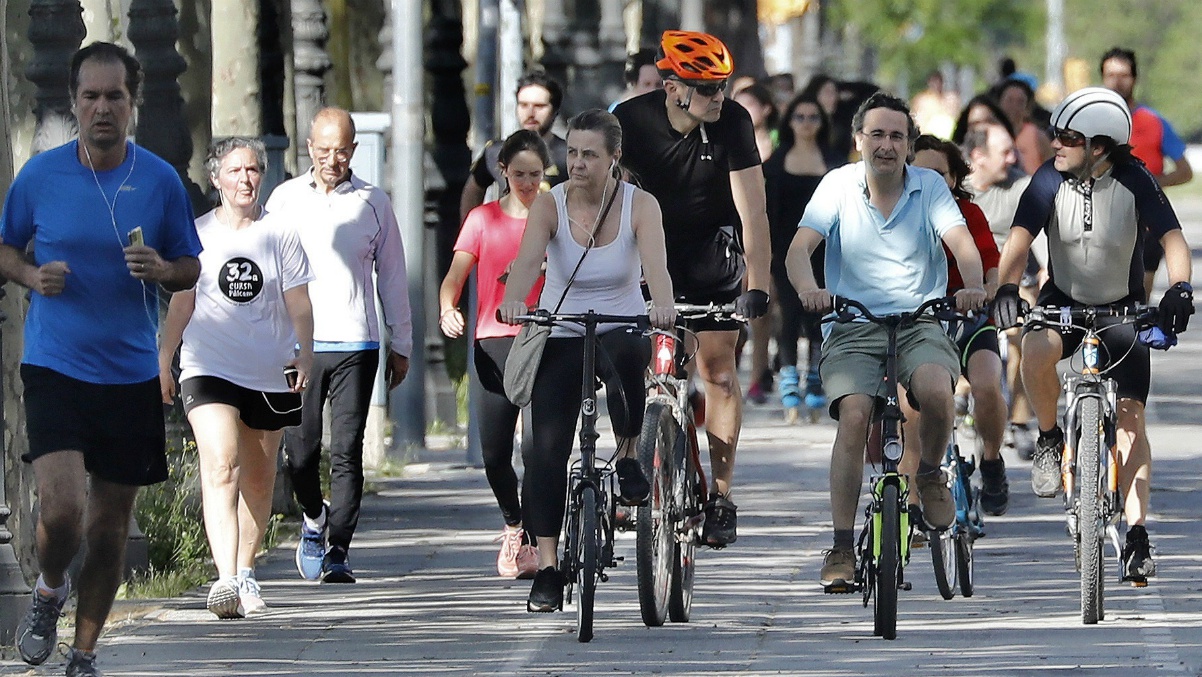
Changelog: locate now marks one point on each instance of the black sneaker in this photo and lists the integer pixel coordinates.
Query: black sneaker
(720, 529)
(995, 490)
(335, 567)
(82, 664)
(1045, 466)
(1138, 565)
(633, 486)
(546, 594)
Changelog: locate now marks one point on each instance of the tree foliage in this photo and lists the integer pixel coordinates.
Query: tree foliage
(913, 37)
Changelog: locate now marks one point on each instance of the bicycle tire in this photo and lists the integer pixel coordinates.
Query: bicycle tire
(1089, 507)
(964, 563)
(587, 572)
(888, 564)
(655, 542)
(943, 556)
(688, 504)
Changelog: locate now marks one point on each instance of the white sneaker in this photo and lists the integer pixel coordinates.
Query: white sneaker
(251, 596)
(224, 600)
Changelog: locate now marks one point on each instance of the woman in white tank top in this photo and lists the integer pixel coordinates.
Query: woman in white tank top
(623, 243)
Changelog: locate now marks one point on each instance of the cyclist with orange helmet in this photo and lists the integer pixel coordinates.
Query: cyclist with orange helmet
(695, 151)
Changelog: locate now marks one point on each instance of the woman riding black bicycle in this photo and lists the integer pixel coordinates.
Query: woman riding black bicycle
(599, 236)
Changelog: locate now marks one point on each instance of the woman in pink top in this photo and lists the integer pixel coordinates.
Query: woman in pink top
(489, 242)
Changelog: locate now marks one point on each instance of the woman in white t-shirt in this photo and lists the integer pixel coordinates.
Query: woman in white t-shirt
(241, 373)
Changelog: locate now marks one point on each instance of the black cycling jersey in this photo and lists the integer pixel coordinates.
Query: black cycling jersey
(688, 175)
(486, 170)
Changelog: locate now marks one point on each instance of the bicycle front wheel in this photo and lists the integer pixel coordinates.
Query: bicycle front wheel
(589, 543)
(888, 565)
(1090, 496)
(964, 562)
(686, 492)
(943, 555)
(655, 544)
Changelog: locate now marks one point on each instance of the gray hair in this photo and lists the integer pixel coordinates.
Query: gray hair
(226, 145)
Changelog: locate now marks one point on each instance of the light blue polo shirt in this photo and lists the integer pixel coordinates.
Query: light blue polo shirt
(890, 265)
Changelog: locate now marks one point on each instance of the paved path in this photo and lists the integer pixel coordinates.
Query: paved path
(429, 603)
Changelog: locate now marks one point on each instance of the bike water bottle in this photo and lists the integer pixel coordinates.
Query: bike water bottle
(665, 352)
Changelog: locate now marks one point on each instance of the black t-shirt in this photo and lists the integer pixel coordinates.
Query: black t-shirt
(689, 177)
(486, 171)
(787, 196)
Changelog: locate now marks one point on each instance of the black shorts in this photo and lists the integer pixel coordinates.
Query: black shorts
(1122, 357)
(708, 269)
(971, 336)
(257, 409)
(119, 428)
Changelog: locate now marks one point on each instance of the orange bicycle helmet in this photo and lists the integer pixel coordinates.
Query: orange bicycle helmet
(693, 57)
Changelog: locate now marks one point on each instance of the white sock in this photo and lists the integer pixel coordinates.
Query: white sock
(58, 593)
(316, 524)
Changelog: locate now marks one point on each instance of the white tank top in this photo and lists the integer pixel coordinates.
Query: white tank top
(608, 280)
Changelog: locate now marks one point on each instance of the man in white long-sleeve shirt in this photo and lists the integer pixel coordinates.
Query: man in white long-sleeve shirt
(349, 231)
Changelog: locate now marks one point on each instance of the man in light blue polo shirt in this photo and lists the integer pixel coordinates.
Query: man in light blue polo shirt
(884, 223)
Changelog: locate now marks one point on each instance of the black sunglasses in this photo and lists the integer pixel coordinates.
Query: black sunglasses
(1067, 137)
(710, 90)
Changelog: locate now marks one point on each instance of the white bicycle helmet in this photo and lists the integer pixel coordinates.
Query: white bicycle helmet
(1094, 111)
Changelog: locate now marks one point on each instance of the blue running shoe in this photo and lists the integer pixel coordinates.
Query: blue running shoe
(311, 549)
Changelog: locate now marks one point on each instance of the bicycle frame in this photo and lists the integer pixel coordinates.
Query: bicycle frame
(1092, 513)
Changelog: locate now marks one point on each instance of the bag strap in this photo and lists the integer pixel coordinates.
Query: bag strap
(596, 226)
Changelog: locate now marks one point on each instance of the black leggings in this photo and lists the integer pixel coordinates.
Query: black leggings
(795, 323)
(622, 358)
(498, 419)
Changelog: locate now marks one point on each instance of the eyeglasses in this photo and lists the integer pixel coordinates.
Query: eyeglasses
(811, 117)
(340, 154)
(1068, 138)
(711, 89)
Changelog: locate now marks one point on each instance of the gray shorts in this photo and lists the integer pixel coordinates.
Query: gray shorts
(853, 358)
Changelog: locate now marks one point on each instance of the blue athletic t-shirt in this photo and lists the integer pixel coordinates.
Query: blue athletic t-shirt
(102, 328)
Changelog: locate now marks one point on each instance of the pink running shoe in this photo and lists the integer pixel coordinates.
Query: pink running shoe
(511, 545)
(527, 561)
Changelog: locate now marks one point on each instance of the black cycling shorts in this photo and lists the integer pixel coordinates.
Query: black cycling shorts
(1122, 357)
(973, 335)
(257, 409)
(119, 428)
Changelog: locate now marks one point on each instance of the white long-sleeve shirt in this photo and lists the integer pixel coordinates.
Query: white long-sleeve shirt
(347, 234)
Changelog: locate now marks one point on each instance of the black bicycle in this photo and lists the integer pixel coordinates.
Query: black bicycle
(588, 546)
(1093, 501)
(668, 527)
(883, 549)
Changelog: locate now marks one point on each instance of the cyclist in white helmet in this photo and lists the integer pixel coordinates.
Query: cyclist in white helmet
(1095, 200)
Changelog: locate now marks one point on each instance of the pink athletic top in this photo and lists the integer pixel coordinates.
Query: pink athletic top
(493, 237)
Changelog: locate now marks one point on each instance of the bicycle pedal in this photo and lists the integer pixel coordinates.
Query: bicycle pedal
(906, 586)
(839, 588)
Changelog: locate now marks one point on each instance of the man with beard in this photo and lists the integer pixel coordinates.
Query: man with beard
(883, 222)
(1152, 141)
(539, 98)
(694, 150)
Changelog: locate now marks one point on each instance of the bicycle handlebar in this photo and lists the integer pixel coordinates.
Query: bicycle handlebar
(1084, 317)
(692, 311)
(847, 310)
(545, 318)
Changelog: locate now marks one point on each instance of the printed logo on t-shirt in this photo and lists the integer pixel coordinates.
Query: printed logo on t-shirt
(241, 280)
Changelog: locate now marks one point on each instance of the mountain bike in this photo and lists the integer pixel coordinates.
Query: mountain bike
(668, 527)
(1093, 502)
(883, 548)
(588, 546)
